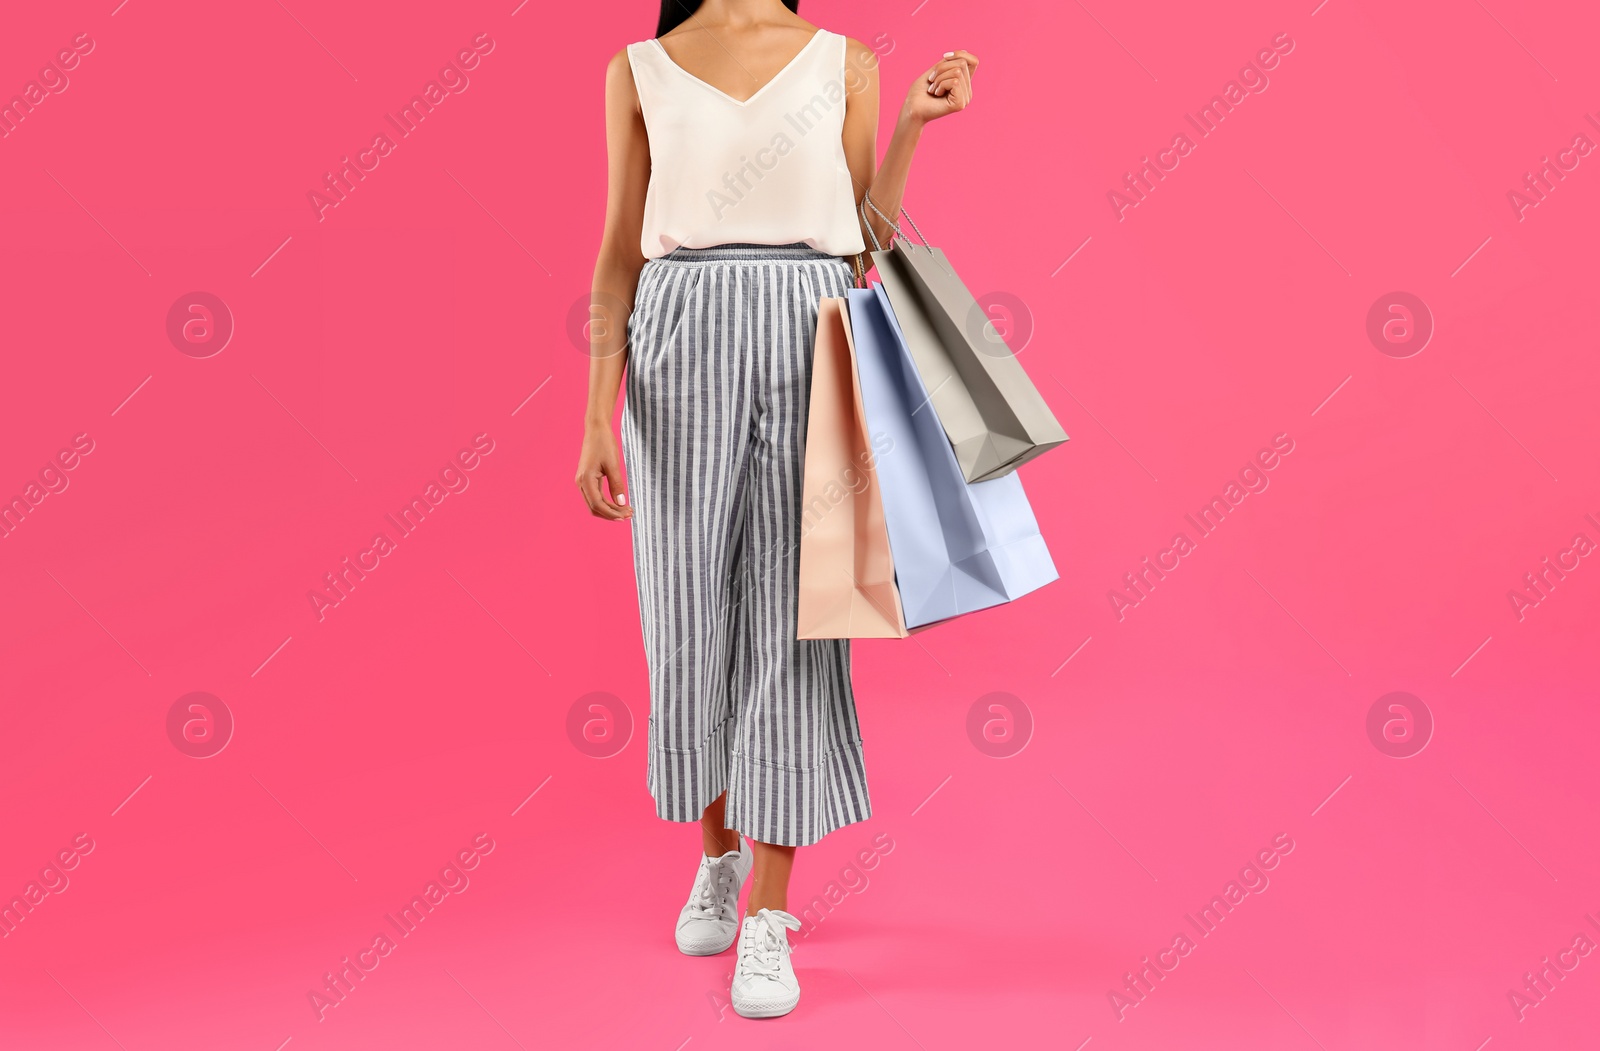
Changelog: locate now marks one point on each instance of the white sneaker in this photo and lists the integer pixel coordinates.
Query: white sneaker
(764, 985)
(710, 921)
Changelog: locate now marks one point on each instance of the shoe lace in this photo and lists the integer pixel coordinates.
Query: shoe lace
(761, 950)
(714, 893)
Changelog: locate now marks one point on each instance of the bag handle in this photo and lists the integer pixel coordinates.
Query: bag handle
(868, 202)
(861, 211)
(861, 275)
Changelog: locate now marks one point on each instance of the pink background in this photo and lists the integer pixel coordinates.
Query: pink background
(433, 304)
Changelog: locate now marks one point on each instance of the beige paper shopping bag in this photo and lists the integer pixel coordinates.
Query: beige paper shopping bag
(847, 588)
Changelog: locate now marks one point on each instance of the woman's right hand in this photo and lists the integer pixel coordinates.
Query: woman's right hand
(599, 460)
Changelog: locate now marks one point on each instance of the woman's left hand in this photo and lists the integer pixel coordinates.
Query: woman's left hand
(944, 89)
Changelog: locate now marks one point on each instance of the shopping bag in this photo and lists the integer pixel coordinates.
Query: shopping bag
(992, 413)
(847, 588)
(958, 546)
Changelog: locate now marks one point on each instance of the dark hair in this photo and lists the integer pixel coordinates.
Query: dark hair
(676, 12)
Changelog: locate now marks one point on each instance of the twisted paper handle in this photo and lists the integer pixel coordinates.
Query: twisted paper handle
(868, 202)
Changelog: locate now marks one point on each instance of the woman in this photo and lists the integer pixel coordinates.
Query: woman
(742, 143)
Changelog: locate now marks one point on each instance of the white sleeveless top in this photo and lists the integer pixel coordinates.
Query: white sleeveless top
(769, 170)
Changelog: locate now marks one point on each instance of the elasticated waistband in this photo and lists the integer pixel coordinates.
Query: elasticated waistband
(748, 253)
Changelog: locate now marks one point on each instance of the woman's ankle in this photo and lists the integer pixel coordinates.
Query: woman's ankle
(753, 907)
(717, 845)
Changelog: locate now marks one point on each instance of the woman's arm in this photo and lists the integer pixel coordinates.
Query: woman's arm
(616, 277)
(945, 88)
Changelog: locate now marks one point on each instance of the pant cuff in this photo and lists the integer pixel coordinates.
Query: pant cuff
(684, 782)
(795, 806)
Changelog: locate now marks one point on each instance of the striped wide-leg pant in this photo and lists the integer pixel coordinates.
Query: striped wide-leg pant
(713, 436)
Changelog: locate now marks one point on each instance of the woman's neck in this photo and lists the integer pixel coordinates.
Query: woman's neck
(739, 14)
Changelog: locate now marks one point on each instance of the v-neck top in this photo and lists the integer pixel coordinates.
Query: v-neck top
(769, 169)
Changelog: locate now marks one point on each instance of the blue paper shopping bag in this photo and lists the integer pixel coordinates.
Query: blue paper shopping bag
(957, 546)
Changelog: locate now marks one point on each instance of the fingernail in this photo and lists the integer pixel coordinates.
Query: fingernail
(949, 54)
(930, 89)
(622, 498)
(930, 78)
